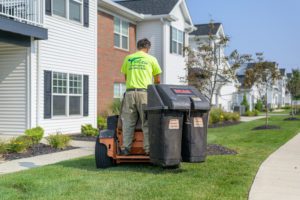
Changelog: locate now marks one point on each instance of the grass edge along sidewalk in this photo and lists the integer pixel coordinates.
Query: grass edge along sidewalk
(220, 177)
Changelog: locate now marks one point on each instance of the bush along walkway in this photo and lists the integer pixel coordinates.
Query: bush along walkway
(85, 149)
(279, 176)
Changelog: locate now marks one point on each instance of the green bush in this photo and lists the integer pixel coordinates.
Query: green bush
(256, 112)
(19, 144)
(227, 116)
(102, 123)
(286, 107)
(88, 130)
(116, 106)
(216, 116)
(236, 117)
(2, 147)
(245, 103)
(59, 141)
(35, 134)
(252, 113)
(259, 105)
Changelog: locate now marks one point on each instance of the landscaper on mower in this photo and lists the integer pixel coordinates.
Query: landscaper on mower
(139, 69)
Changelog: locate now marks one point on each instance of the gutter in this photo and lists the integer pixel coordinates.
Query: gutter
(170, 18)
(115, 7)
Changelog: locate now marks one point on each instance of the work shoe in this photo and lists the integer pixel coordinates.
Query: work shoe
(124, 152)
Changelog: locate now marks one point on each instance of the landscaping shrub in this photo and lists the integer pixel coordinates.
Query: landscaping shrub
(252, 113)
(286, 107)
(227, 116)
(245, 103)
(116, 106)
(2, 147)
(216, 116)
(19, 144)
(35, 134)
(259, 105)
(88, 130)
(59, 141)
(236, 117)
(102, 123)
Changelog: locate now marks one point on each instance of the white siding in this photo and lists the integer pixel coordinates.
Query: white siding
(70, 47)
(13, 88)
(175, 64)
(153, 31)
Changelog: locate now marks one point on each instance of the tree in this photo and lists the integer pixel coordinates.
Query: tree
(245, 103)
(207, 69)
(263, 75)
(293, 85)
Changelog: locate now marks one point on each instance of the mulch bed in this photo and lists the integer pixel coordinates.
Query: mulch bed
(224, 124)
(292, 119)
(269, 127)
(37, 150)
(79, 137)
(215, 149)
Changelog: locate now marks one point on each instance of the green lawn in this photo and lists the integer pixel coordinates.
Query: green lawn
(221, 177)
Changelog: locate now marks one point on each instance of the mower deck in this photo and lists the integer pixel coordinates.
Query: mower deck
(132, 159)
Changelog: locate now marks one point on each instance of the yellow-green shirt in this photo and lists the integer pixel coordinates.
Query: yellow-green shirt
(139, 69)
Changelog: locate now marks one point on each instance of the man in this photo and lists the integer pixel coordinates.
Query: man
(139, 69)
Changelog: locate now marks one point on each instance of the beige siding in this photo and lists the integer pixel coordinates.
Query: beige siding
(13, 87)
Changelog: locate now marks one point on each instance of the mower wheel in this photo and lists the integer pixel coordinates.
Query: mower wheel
(102, 160)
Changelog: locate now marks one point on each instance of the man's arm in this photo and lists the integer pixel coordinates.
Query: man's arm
(157, 79)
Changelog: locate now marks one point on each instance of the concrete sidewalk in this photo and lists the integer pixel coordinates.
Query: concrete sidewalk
(249, 119)
(279, 176)
(85, 149)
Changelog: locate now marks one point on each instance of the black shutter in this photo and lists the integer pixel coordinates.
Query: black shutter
(86, 13)
(48, 7)
(85, 95)
(183, 51)
(47, 94)
(171, 43)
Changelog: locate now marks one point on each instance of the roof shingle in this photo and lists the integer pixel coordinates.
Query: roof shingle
(206, 29)
(150, 7)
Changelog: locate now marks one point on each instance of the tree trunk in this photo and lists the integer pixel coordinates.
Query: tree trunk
(267, 109)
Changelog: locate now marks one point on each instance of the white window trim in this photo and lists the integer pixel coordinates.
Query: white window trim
(121, 33)
(67, 95)
(120, 90)
(67, 17)
(177, 41)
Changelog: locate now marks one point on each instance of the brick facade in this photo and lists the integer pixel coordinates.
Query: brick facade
(110, 60)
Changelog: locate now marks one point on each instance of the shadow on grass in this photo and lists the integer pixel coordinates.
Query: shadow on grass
(88, 164)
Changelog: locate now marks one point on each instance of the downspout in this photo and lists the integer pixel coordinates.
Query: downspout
(163, 42)
(37, 82)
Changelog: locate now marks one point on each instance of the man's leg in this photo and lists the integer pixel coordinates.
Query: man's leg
(129, 118)
(141, 105)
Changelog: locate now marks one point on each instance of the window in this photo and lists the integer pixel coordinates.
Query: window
(59, 8)
(59, 94)
(119, 90)
(67, 94)
(121, 32)
(75, 10)
(72, 7)
(177, 41)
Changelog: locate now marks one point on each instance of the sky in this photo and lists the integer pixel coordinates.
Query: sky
(268, 26)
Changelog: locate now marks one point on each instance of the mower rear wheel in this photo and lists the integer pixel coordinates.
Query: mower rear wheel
(102, 160)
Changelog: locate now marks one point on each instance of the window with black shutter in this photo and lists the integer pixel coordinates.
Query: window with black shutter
(65, 94)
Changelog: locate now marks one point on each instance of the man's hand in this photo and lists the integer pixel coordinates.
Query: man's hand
(157, 79)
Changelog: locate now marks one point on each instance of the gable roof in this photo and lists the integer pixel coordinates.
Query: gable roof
(282, 72)
(150, 7)
(205, 29)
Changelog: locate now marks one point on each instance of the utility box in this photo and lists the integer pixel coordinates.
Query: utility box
(168, 107)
